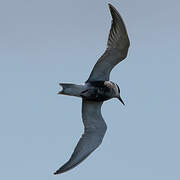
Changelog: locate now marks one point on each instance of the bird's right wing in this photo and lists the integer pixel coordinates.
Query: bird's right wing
(117, 49)
(94, 130)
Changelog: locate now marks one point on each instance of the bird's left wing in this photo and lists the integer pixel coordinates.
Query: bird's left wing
(94, 130)
(117, 49)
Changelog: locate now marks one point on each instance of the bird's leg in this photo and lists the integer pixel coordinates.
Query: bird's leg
(71, 89)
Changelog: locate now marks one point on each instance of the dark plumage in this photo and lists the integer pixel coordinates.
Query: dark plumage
(96, 90)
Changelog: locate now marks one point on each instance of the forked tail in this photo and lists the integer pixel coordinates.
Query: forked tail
(71, 89)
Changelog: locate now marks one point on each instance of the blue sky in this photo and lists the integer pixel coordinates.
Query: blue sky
(47, 42)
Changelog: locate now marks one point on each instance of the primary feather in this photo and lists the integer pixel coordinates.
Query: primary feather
(94, 130)
(117, 49)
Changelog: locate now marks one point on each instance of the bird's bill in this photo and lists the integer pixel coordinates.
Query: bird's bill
(121, 100)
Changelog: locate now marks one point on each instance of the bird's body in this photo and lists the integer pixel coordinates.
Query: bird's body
(100, 91)
(97, 89)
(93, 91)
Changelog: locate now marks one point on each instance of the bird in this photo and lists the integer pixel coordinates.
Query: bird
(97, 89)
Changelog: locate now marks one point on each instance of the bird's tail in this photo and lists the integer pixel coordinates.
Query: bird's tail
(71, 89)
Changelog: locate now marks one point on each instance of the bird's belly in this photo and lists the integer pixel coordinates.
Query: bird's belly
(96, 94)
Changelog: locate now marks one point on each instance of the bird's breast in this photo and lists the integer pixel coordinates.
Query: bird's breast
(97, 91)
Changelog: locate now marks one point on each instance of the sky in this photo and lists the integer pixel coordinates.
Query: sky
(43, 43)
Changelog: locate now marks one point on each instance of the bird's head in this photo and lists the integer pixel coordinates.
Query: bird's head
(117, 93)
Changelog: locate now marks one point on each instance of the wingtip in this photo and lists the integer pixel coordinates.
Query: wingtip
(57, 172)
(62, 169)
(111, 6)
(113, 10)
